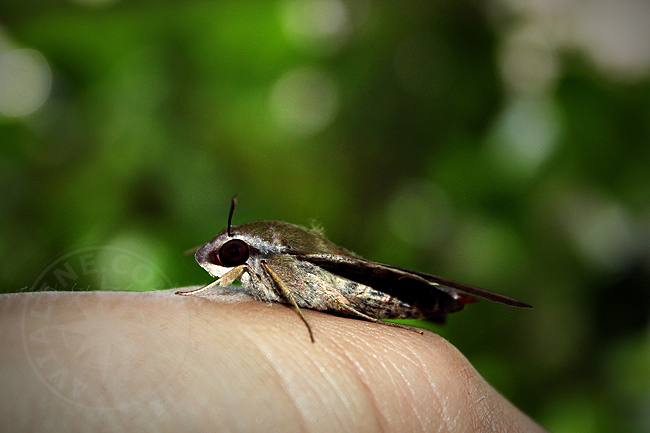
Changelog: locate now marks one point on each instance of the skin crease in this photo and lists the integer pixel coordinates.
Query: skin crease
(220, 361)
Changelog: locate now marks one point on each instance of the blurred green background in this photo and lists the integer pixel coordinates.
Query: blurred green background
(504, 144)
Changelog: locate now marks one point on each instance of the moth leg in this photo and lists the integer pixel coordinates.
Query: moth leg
(287, 294)
(399, 325)
(225, 280)
(342, 305)
(229, 277)
(200, 289)
(349, 309)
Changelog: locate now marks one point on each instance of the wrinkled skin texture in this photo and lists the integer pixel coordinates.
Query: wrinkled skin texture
(154, 361)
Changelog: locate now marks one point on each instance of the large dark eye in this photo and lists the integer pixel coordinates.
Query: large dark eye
(233, 253)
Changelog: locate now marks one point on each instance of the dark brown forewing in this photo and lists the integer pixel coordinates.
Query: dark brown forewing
(396, 281)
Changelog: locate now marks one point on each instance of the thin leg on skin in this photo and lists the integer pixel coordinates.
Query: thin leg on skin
(224, 280)
(354, 312)
(287, 294)
(343, 305)
(206, 287)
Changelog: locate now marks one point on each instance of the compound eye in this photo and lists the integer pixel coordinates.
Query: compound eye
(233, 253)
(213, 257)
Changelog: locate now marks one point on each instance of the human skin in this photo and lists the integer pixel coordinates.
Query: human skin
(221, 361)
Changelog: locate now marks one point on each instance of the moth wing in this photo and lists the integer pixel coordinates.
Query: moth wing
(472, 290)
(399, 282)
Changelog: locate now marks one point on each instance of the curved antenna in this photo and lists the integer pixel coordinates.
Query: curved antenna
(233, 203)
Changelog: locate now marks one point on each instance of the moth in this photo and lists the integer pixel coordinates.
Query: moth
(281, 262)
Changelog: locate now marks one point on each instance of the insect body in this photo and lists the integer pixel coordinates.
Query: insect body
(285, 263)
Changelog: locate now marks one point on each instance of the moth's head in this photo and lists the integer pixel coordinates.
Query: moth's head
(223, 253)
(234, 246)
(251, 242)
